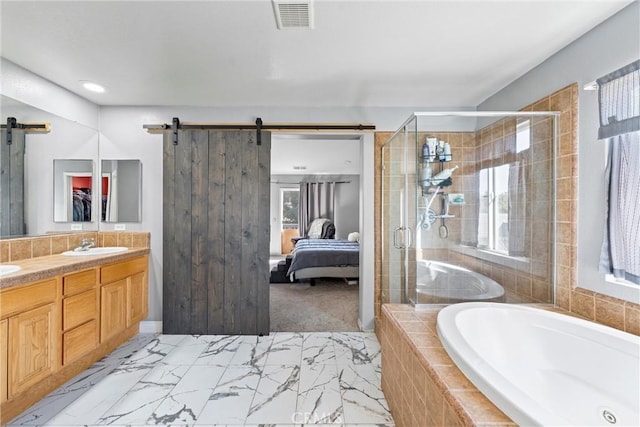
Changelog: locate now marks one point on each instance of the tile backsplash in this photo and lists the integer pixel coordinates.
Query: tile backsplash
(32, 247)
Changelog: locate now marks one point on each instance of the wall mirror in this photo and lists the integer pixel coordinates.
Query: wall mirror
(73, 190)
(120, 190)
(66, 139)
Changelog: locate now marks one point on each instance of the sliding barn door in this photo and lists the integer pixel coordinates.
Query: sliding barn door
(12, 221)
(216, 232)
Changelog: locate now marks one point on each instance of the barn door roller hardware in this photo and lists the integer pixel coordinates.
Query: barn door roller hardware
(259, 131)
(12, 123)
(174, 127)
(259, 126)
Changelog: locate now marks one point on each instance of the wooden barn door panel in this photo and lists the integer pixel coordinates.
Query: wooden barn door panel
(216, 233)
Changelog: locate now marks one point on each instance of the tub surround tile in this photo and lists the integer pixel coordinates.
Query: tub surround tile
(479, 409)
(608, 312)
(423, 385)
(583, 304)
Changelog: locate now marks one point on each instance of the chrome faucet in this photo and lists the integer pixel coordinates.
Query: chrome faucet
(85, 245)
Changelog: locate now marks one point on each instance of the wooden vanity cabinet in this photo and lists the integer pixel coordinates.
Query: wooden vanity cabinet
(124, 295)
(80, 315)
(53, 329)
(31, 338)
(4, 333)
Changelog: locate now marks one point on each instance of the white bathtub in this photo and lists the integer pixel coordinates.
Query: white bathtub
(441, 283)
(545, 368)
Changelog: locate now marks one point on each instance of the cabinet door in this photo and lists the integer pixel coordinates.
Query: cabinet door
(33, 346)
(113, 311)
(136, 298)
(3, 359)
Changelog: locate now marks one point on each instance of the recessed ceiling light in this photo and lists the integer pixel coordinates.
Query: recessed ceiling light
(92, 86)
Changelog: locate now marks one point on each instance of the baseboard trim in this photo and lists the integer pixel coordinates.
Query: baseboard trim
(151, 327)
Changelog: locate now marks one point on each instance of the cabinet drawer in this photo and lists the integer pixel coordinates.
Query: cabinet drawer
(14, 301)
(79, 309)
(118, 271)
(78, 282)
(79, 341)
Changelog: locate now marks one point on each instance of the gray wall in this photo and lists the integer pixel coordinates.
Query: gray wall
(609, 46)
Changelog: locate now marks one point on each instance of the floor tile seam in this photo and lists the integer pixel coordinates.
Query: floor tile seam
(159, 401)
(75, 398)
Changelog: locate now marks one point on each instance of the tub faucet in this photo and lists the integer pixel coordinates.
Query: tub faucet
(85, 245)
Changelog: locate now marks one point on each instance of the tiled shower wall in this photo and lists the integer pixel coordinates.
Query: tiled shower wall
(491, 146)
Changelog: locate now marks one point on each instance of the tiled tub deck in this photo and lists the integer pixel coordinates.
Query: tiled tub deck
(422, 385)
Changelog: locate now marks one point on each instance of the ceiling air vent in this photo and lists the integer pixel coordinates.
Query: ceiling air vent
(293, 13)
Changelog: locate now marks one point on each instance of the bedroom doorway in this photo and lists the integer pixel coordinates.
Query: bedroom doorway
(332, 304)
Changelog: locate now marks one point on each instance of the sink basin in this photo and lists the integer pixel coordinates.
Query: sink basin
(8, 269)
(97, 251)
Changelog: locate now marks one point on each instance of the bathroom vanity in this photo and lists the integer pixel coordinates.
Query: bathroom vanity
(60, 314)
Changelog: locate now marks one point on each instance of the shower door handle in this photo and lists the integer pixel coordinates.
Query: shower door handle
(405, 232)
(395, 237)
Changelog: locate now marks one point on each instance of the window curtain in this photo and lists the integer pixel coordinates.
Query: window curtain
(471, 211)
(317, 200)
(517, 207)
(619, 99)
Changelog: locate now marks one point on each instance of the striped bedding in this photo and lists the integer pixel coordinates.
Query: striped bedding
(324, 253)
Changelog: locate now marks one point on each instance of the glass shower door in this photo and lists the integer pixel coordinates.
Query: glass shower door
(397, 236)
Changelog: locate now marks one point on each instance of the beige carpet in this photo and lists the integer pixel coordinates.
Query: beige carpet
(329, 306)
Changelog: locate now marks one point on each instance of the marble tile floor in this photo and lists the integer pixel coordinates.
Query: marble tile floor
(284, 379)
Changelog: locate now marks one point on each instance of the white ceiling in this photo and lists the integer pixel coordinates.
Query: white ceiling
(229, 53)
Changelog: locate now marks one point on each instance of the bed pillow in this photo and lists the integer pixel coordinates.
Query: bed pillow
(315, 229)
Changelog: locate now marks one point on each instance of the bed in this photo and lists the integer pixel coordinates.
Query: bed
(315, 258)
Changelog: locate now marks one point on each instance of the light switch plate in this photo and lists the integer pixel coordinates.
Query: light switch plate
(76, 227)
(120, 227)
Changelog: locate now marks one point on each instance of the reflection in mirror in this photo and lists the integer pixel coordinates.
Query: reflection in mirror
(73, 190)
(121, 185)
(66, 139)
(12, 221)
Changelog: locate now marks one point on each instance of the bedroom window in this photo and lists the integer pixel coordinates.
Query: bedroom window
(289, 203)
